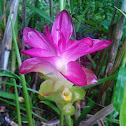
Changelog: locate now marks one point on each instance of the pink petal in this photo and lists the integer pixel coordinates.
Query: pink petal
(70, 42)
(62, 24)
(48, 34)
(76, 51)
(61, 43)
(78, 48)
(85, 46)
(75, 74)
(91, 78)
(73, 43)
(37, 65)
(38, 52)
(36, 39)
(99, 45)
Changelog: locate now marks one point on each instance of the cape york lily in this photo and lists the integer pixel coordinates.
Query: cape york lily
(55, 53)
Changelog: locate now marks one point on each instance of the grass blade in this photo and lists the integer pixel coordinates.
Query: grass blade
(7, 95)
(119, 90)
(9, 75)
(100, 81)
(121, 11)
(17, 104)
(29, 89)
(123, 109)
(23, 82)
(40, 12)
(22, 108)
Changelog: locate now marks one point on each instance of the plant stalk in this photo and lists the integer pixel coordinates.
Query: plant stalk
(61, 119)
(23, 82)
(61, 5)
(17, 104)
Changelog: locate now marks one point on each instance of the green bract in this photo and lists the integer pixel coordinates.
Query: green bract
(63, 93)
(67, 109)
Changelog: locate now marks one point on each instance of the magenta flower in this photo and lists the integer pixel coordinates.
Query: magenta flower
(55, 51)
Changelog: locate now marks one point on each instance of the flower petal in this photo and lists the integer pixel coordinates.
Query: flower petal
(38, 52)
(76, 51)
(99, 45)
(48, 34)
(85, 46)
(61, 43)
(62, 24)
(87, 41)
(75, 74)
(36, 39)
(91, 78)
(70, 42)
(37, 65)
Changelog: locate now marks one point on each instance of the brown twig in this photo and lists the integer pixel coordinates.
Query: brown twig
(100, 114)
(7, 39)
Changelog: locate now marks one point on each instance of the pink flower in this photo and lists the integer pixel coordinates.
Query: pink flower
(55, 51)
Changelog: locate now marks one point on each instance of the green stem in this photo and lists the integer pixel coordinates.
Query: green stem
(23, 82)
(69, 120)
(61, 119)
(17, 104)
(61, 5)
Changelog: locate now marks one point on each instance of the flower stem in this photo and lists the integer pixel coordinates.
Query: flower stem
(23, 82)
(17, 104)
(61, 5)
(61, 119)
(69, 120)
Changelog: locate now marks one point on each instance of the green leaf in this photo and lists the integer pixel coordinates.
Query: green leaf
(7, 95)
(17, 104)
(100, 81)
(29, 89)
(90, 22)
(22, 108)
(8, 74)
(119, 90)
(122, 117)
(40, 12)
(97, 28)
(121, 11)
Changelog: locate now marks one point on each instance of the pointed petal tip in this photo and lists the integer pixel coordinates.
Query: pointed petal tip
(62, 23)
